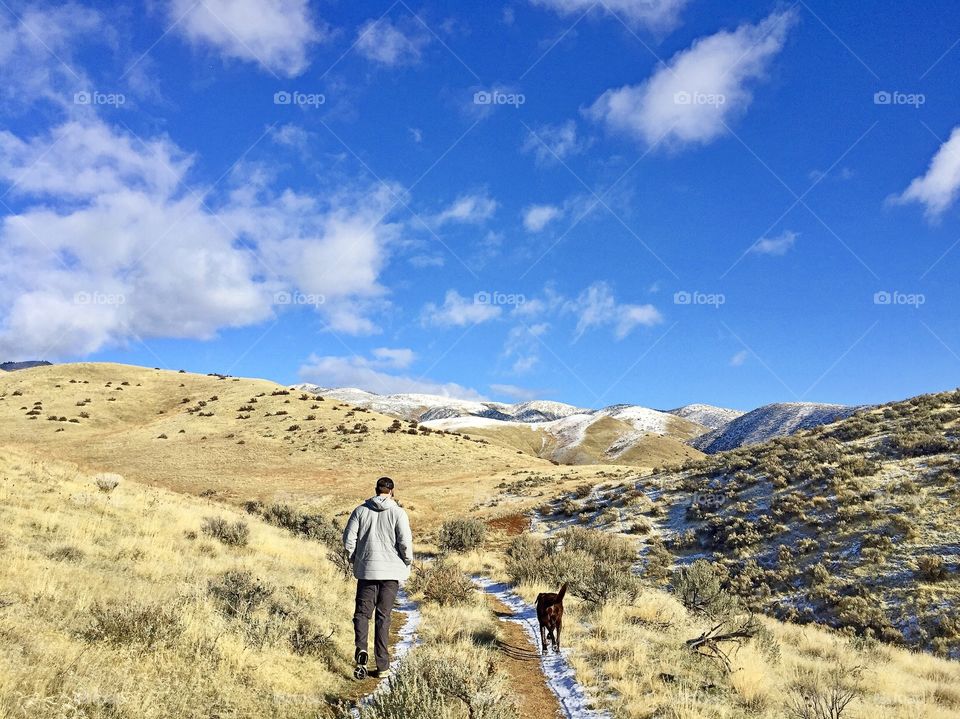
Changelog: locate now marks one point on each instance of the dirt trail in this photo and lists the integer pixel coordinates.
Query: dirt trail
(404, 639)
(521, 661)
(570, 699)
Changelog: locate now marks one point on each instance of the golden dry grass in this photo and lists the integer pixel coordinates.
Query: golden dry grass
(240, 459)
(69, 547)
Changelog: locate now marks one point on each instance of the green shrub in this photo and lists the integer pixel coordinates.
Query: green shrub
(461, 535)
(233, 534)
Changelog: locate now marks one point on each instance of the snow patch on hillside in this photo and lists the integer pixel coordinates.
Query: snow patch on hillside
(773, 420)
(706, 414)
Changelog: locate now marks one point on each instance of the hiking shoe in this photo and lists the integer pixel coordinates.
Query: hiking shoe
(360, 657)
(380, 674)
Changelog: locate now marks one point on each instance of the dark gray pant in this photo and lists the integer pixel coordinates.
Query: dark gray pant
(379, 595)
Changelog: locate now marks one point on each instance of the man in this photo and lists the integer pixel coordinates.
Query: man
(380, 546)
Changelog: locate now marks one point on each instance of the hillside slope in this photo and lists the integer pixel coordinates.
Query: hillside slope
(772, 420)
(238, 438)
(615, 435)
(118, 605)
(852, 524)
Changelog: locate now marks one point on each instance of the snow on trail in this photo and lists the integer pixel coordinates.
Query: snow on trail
(559, 675)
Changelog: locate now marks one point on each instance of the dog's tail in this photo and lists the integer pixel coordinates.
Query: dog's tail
(563, 590)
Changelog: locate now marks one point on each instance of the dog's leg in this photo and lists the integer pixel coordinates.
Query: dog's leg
(543, 638)
(556, 637)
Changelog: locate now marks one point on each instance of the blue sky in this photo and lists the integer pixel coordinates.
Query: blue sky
(655, 202)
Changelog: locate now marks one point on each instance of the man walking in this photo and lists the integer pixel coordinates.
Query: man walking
(380, 546)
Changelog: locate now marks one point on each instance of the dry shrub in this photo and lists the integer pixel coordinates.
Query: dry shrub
(106, 482)
(432, 685)
(239, 592)
(825, 696)
(930, 568)
(462, 535)
(307, 640)
(67, 553)
(233, 534)
(441, 583)
(597, 566)
(147, 625)
(699, 588)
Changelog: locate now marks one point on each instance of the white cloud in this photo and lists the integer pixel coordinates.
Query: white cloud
(779, 245)
(109, 247)
(654, 14)
(552, 143)
(473, 209)
(701, 90)
(597, 307)
(291, 136)
(522, 394)
(357, 371)
(400, 358)
(523, 346)
(739, 358)
(937, 189)
(37, 54)
(536, 217)
(459, 311)
(277, 34)
(390, 44)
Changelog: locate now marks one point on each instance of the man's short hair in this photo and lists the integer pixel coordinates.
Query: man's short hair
(384, 485)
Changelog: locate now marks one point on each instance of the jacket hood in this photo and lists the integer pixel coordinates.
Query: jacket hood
(380, 503)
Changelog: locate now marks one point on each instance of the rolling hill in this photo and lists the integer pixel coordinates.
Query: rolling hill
(238, 439)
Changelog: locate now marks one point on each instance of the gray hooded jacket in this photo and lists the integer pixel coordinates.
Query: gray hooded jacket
(379, 541)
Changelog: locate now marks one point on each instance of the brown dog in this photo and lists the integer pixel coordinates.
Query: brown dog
(550, 616)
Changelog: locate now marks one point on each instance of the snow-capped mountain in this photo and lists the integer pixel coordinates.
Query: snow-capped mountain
(427, 407)
(772, 420)
(706, 414)
(620, 432)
